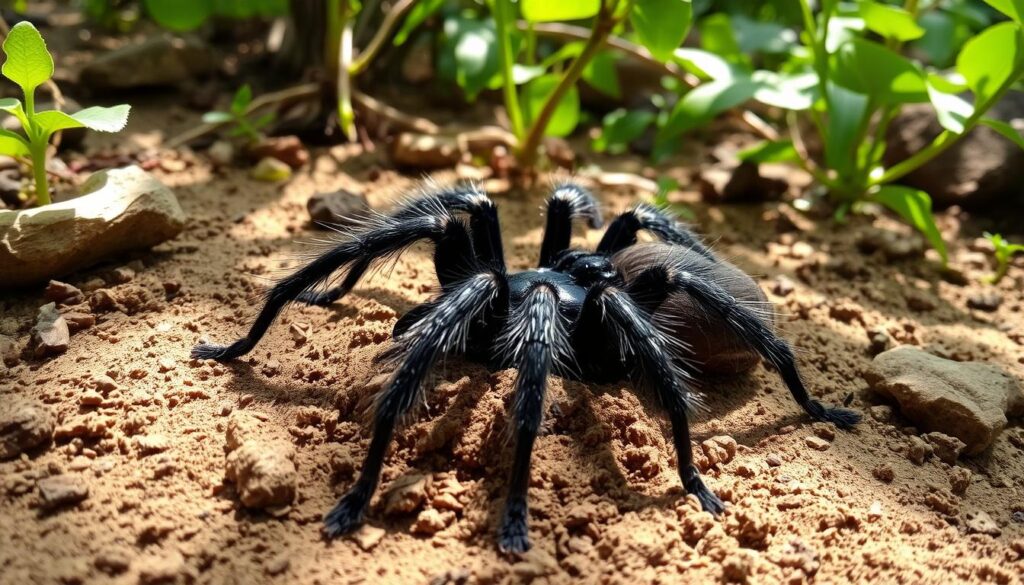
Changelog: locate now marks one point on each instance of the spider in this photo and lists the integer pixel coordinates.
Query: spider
(660, 314)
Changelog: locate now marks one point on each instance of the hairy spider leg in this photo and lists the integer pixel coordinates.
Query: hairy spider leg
(484, 228)
(454, 255)
(622, 231)
(535, 337)
(443, 330)
(641, 340)
(660, 281)
(568, 202)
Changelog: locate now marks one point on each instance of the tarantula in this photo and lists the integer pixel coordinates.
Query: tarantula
(660, 313)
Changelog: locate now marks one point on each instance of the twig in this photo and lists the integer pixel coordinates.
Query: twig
(399, 118)
(391, 18)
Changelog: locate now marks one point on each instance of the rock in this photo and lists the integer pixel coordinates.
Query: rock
(221, 153)
(981, 523)
(985, 301)
(946, 448)
(894, 246)
(339, 207)
(979, 170)
(121, 209)
(152, 444)
(287, 149)
(264, 473)
(817, 443)
(719, 449)
(431, 521)
(10, 351)
(959, 480)
(966, 400)
(884, 473)
(78, 321)
(61, 490)
(156, 61)
(425, 151)
(880, 340)
(368, 537)
(24, 425)
(407, 495)
(919, 450)
(783, 286)
(271, 170)
(740, 183)
(242, 427)
(169, 568)
(62, 293)
(50, 335)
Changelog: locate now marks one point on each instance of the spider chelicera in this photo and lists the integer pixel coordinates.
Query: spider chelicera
(657, 313)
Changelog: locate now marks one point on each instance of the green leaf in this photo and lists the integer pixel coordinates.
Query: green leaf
(475, 50)
(770, 151)
(620, 127)
(756, 36)
(241, 101)
(13, 146)
(990, 59)
(1011, 8)
(718, 36)
(841, 30)
(179, 15)
(601, 75)
(217, 117)
(28, 62)
(847, 111)
(951, 82)
(943, 36)
(705, 102)
(952, 111)
(707, 65)
(13, 106)
(522, 74)
(264, 120)
(112, 119)
(1005, 129)
(661, 25)
(419, 13)
(871, 69)
(915, 207)
(789, 91)
(552, 10)
(567, 112)
(890, 22)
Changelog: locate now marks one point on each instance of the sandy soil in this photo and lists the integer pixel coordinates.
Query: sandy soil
(606, 502)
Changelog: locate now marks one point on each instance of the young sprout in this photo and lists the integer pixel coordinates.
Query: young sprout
(236, 113)
(1004, 250)
(29, 65)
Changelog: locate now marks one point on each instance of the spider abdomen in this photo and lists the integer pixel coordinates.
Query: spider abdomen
(714, 345)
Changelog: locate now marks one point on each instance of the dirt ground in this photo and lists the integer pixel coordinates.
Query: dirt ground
(606, 502)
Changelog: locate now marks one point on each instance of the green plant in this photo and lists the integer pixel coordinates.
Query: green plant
(849, 76)
(236, 114)
(29, 65)
(1004, 250)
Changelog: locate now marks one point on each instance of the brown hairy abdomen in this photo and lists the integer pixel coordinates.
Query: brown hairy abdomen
(714, 347)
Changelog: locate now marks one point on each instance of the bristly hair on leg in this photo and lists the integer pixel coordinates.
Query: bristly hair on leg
(581, 201)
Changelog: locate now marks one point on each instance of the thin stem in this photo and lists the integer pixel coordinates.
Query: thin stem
(603, 26)
(501, 11)
(391, 19)
(38, 151)
(346, 115)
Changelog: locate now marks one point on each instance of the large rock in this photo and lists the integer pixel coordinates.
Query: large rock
(121, 210)
(156, 61)
(264, 473)
(966, 400)
(24, 425)
(981, 169)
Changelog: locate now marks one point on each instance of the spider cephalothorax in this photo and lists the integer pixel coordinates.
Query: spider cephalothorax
(659, 313)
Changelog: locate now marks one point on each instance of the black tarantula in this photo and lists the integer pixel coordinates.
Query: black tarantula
(663, 313)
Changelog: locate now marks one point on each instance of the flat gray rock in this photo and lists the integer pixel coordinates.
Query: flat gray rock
(967, 400)
(120, 210)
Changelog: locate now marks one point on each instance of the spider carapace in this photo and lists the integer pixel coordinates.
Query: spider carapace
(659, 314)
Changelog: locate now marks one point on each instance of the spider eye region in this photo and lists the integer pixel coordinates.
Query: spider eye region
(570, 294)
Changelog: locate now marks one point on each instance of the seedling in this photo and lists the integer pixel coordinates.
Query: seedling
(237, 114)
(29, 65)
(1004, 250)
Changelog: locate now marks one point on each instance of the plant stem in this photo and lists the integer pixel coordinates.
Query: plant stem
(391, 18)
(501, 10)
(603, 26)
(346, 115)
(38, 151)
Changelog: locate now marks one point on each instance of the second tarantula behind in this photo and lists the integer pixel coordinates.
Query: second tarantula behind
(660, 314)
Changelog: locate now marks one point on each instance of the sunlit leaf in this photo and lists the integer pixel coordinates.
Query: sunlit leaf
(419, 13)
(755, 36)
(915, 207)
(28, 62)
(847, 111)
(950, 109)
(601, 75)
(791, 92)
(871, 69)
(1011, 8)
(707, 65)
(567, 113)
(718, 36)
(891, 22)
(112, 119)
(661, 25)
(217, 117)
(705, 102)
(552, 10)
(475, 53)
(12, 144)
(621, 127)
(770, 151)
(990, 59)
(179, 15)
(241, 100)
